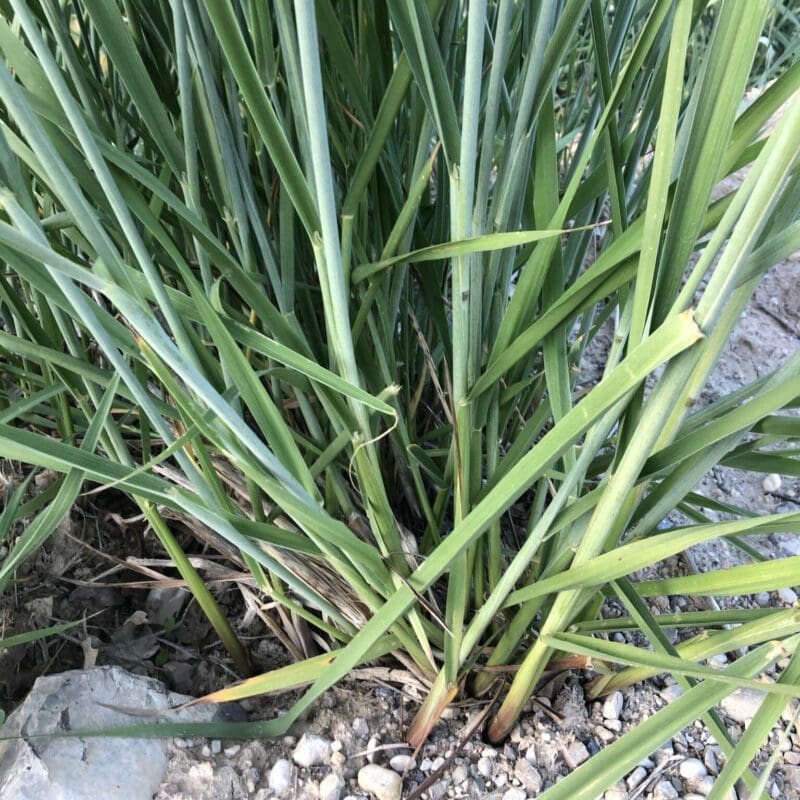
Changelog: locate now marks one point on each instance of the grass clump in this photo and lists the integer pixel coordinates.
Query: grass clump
(319, 279)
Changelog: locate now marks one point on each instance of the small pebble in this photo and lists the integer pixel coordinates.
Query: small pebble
(485, 767)
(702, 785)
(742, 704)
(311, 750)
(665, 791)
(671, 692)
(692, 768)
(438, 790)
(787, 595)
(360, 728)
(635, 778)
(338, 759)
(402, 763)
(762, 599)
(528, 776)
(612, 707)
(791, 544)
(330, 787)
(280, 777)
(515, 794)
(575, 754)
(771, 483)
(613, 725)
(384, 783)
(603, 734)
(460, 774)
(372, 748)
(616, 792)
(232, 750)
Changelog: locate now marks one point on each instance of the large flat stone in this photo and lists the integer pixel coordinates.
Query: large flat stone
(59, 768)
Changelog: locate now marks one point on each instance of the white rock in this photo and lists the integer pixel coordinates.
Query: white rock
(66, 768)
(692, 768)
(330, 787)
(742, 704)
(280, 777)
(612, 707)
(771, 483)
(402, 763)
(515, 794)
(787, 595)
(384, 783)
(311, 750)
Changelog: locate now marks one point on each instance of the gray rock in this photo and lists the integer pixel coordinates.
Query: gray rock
(742, 704)
(612, 707)
(360, 728)
(665, 791)
(635, 778)
(384, 783)
(528, 776)
(78, 768)
(311, 750)
(439, 789)
(280, 777)
(575, 754)
(330, 787)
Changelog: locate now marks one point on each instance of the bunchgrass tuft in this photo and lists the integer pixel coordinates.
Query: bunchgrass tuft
(319, 280)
